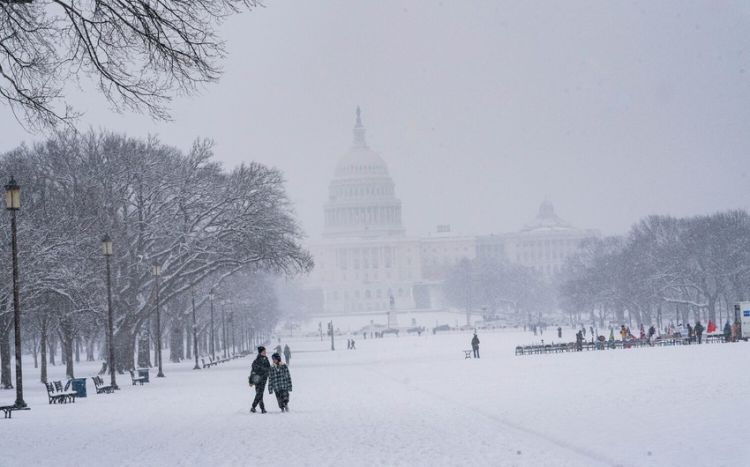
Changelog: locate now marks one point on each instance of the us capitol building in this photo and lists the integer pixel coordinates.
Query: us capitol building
(366, 264)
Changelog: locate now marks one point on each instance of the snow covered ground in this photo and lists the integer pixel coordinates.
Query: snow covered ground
(409, 401)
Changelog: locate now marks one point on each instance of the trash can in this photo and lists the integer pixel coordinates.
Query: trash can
(143, 373)
(79, 386)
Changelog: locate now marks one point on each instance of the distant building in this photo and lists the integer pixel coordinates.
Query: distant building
(543, 244)
(365, 262)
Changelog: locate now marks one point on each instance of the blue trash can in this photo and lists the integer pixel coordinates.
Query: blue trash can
(143, 373)
(79, 386)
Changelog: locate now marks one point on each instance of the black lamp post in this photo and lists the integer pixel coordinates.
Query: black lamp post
(211, 346)
(107, 251)
(156, 271)
(13, 204)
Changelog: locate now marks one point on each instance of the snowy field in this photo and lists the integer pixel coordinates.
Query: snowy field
(408, 401)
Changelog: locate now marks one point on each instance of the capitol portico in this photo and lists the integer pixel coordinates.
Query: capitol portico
(366, 264)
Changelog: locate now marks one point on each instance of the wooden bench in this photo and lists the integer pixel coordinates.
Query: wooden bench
(137, 379)
(55, 393)
(9, 409)
(467, 354)
(102, 388)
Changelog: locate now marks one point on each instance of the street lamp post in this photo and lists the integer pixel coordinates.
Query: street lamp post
(195, 332)
(107, 251)
(13, 204)
(212, 349)
(156, 271)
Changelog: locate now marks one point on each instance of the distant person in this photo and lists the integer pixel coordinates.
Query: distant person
(727, 332)
(699, 331)
(651, 334)
(579, 341)
(287, 353)
(559, 332)
(258, 378)
(475, 345)
(690, 333)
(591, 330)
(280, 382)
(354, 345)
(623, 333)
(277, 349)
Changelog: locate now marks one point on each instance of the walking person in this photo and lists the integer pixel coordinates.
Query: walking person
(475, 345)
(258, 378)
(287, 353)
(280, 382)
(727, 332)
(699, 331)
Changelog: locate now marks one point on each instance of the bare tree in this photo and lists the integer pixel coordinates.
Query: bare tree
(138, 53)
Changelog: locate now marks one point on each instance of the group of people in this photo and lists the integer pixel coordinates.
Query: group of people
(351, 345)
(276, 375)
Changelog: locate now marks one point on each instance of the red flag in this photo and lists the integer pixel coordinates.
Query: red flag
(711, 327)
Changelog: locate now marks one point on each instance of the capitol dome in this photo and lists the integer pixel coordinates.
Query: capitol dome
(361, 196)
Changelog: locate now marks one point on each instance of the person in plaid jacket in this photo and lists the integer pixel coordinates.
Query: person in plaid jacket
(280, 381)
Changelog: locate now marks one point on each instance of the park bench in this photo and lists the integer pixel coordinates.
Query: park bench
(137, 379)
(59, 389)
(55, 393)
(467, 354)
(102, 388)
(9, 409)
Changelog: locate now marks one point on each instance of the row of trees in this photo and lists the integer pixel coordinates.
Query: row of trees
(498, 288)
(211, 230)
(666, 268)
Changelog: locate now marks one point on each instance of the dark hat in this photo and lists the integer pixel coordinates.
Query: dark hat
(276, 357)
(261, 349)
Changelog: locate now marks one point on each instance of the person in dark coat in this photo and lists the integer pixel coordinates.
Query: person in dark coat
(287, 353)
(579, 341)
(691, 333)
(699, 331)
(280, 382)
(258, 378)
(727, 332)
(475, 345)
(559, 332)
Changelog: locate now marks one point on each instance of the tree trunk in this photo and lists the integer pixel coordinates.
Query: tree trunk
(144, 351)
(52, 349)
(78, 349)
(43, 351)
(6, 380)
(176, 343)
(67, 351)
(90, 348)
(188, 341)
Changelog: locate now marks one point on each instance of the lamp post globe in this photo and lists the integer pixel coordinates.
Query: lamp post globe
(13, 204)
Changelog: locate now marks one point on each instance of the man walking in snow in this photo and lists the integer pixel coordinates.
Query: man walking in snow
(280, 382)
(699, 331)
(258, 378)
(475, 345)
(287, 353)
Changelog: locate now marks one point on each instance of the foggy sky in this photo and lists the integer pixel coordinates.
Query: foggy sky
(613, 110)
